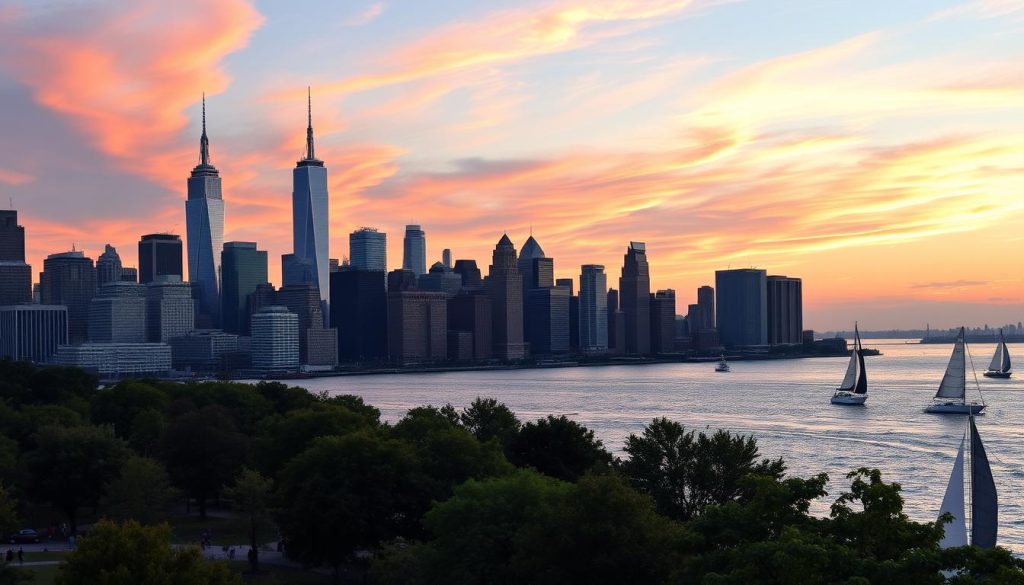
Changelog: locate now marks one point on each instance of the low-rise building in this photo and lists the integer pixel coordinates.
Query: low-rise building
(118, 360)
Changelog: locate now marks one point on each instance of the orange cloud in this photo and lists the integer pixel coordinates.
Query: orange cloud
(13, 177)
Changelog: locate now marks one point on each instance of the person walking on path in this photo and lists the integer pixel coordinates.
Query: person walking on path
(10, 555)
(21, 556)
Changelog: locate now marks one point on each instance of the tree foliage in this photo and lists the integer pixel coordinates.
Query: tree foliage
(142, 491)
(559, 447)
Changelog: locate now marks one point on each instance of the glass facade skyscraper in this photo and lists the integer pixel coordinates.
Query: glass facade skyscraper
(593, 308)
(414, 249)
(204, 222)
(69, 279)
(742, 307)
(635, 299)
(15, 274)
(367, 250)
(159, 256)
(243, 268)
(310, 235)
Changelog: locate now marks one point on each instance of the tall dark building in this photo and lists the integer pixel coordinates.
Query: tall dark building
(663, 321)
(243, 268)
(505, 287)
(616, 324)
(706, 302)
(470, 311)
(742, 300)
(785, 310)
(470, 273)
(159, 255)
(415, 250)
(69, 279)
(635, 299)
(547, 320)
(574, 313)
(304, 301)
(108, 266)
(129, 274)
(359, 311)
(417, 321)
(204, 224)
(440, 278)
(15, 274)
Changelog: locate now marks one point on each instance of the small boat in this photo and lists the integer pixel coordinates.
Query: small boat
(984, 512)
(1000, 365)
(722, 366)
(854, 389)
(951, 397)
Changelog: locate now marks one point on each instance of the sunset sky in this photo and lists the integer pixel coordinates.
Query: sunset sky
(875, 149)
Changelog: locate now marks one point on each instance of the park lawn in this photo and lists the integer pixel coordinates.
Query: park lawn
(42, 574)
(53, 555)
(223, 531)
(274, 574)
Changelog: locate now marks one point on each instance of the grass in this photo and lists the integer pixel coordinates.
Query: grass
(42, 574)
(223, 531)
(274, 574)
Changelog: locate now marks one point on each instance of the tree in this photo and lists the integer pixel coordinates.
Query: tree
(489, 419)
(69, 467)
(282, 437)
(343, 494)
(120, 405)
(251, 495)
(370, 414)
(558, 447)
(203, 452)
(8, 511)
(142, 492)
(686, 472)
(129, 553)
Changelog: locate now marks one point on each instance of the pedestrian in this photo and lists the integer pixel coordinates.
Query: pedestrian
(21, 556)
(231, 553)
(10, 555)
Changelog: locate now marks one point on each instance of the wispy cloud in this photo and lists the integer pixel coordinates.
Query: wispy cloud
(950, 284)
(366, 16)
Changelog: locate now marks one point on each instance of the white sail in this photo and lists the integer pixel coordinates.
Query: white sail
(953, 502)
(954, 382)
(996, 365)
(850, 380)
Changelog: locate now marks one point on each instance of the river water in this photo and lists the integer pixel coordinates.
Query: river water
(784, 404)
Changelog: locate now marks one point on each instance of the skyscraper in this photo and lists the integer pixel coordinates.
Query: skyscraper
(170, 311)
(32, 332)
(359, 311)
(310, 234)
(593, 317)
(470, 312)
(108, 266)
(159, 255)
(616, 324)
(417, 321)
(204, 222)
(574, 313)
(15, 274)
(706, 302)
(530, 251)
(635, 299)
(414, 247)
(505, 287)
(275, 339)
(663, 321)
(243, 267)
(368, 250)
(785, 310)
(117, 313)
(742, 301)
(69, 279)
(446, 258)
(440, 279)
(547, 320)
(470, 274)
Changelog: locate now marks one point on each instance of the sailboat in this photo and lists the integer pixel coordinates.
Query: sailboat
(854, 389)
(984, 511)
(1000, 365)
(951, 397)
(722, 365)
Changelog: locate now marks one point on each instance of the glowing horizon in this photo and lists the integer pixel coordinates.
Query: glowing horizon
(873, 150)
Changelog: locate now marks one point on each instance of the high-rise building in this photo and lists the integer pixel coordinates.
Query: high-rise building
(368, 250)
(69, 279)
(785, 310)
(414, 248)
(275, 339)
(117, 313)
(32, 333)
(440, 279)
(593, 317)
(304, 301)
(663, 321)
(204, 222)
(359, 311)
(635, 298)
(243, 268)
(547, 320)
(574, 313)
(159, 255)
(505, 287)
(129, 274)
(706, 302)
(742, 300)
(470, 273)
(470, 312)
(446, 258)
(616, 324)
(108, 266)
(170, 311)
(531, 251)
(310, 219)
(15, 274)
(417, 321)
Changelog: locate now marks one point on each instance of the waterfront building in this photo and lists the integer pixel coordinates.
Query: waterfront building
(547, 320)
(414, 248)
(243, 268)
(321, 345)
(470, 312)
(117, 360)
(706, 302)
(204, 223)
(310, 221)
(129, 274)
(202, 350)
(574, 313)
(616, 324)
(15, 274)
(785, 310)
(359, 312)
(460, 346)
(170, 310)
(417, 321)
(741, 298)
(470, 273)
(635, 298)
(367, 250)
(159, 256)
(108, 266)
(275, 339)
(663, 321)
(593, 318)
(32, 332)
(446, 258)
(505, 287)
(440, 279)
(69, 279)
(304, 301)
(531, 252)
(117, 314)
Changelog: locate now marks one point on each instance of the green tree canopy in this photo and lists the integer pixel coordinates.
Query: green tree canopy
(559, 447)
(142, 492)
(251, 494)
(487, 419)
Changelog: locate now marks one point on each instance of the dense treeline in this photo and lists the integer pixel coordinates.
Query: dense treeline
(444, 496)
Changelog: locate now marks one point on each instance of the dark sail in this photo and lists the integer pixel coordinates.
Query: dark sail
(862, 381)
(984, 503)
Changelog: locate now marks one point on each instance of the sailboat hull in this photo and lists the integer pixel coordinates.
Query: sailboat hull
(1002, 375)
(956, 408)
(849, 399)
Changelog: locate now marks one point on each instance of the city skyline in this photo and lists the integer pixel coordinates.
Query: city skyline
(877, 164)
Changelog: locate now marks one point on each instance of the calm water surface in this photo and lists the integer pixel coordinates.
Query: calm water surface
(784, 404)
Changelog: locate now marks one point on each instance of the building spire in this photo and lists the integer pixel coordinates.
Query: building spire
(204, 142)
(309, 127)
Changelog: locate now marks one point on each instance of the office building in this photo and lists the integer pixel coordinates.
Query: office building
(108, 266)
(159, 256)
(470, 312)
(616, 324)
(129, 274)
(69, 279)
(446, 258)
(117, 313)
(635, 298)
(117, 360)
(528, 268)
(593, 318)
(310, 221)
(15, 274)
(785, 310)
(202, 350)
(275, 339)
(204, 223)
(243, 268)
(32, 333)
(417, 321)
(706, 302)
(304, 301)
(742, 307)
(547, 320)
(440, 279)
(470, 273)
(574, 313)
(414, 250)
(663, 321)
(321, 347)
(12, 237)
(359, 312)
(367, 250)
(505, 287)
(170, 310)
